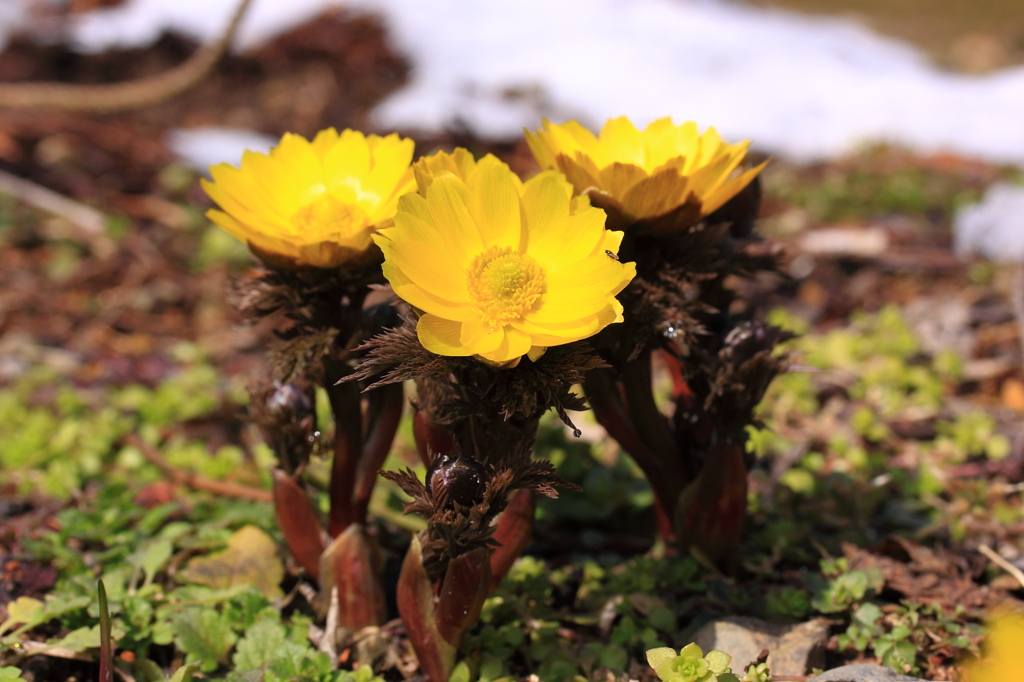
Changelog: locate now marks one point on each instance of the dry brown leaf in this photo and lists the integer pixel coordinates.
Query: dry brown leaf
(250, 558)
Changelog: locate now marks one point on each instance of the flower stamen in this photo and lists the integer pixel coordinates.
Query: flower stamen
(504, 284)
(326, 217)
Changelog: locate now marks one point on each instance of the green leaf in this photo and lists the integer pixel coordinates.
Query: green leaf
(460, 673)
(250, 559)
(10, 674)
(662, 618)
(614, 657)
(204, 636)
(79, 640)
(718, 661)
(868, 614)
(23, 611)
(691, 651)
(60, 605)
(146, 670)
(163, 632)
(661, 659)
(245, 609)
(260, 646)
(184, 673)
(156, 554)
(491, 667)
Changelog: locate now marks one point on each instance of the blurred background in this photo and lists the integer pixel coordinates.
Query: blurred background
(896, 132)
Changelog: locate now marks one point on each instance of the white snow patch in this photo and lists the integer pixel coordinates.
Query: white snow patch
(805, 87)
(993, 228)
(201, 148)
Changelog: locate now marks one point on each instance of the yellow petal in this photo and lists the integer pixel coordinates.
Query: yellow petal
(348, 160)
(579, 237)
(618, 177)
(391, 158)
(536, 353)
(446, 200)
(656, 195)
(546, 209)
(494, 203)
(514, 345)
(323, 141)
(598, 272)
(411, 226)
(479, 338)
(417, 296)
(580, 171)
(252, 215)
(554, 334)
(622, 141)
(441, 336)
(731, 188)
(303, 166)
(246, 234)
(273, 180)
(430, 269)
(540, 150)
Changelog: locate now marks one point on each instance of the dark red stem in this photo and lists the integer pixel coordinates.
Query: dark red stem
(346, 404)
(384, 413)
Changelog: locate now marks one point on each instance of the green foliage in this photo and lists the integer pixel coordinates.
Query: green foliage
(901, 636)
(204, 635)
(788, 602)
(972, 434)
(236, 629)
(875, 184)
(11, 674)
(615, 493)
(55, 437)
(847, 587)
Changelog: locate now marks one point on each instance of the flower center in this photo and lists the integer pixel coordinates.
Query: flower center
(327, 217)
(504, 284)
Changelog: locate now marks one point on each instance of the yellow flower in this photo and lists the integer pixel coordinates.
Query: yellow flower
(460, 163)
(1003, 645)
(500, 268)
(649, 174)
(313, 204)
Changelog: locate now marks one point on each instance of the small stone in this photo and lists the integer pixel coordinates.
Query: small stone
(862, 672)
(793, 649)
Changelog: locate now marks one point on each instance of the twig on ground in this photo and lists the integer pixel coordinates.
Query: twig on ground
(1002, 563)
(31, 648)
(187, 478)
(119, 96)
(329, 642)
(86, 218)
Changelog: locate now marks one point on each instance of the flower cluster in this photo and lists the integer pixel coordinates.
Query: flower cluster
(496, 296)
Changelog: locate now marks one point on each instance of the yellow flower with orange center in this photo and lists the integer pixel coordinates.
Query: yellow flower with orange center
(1003, 645)
(501, 268)
(646, 174)
(313, 204)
